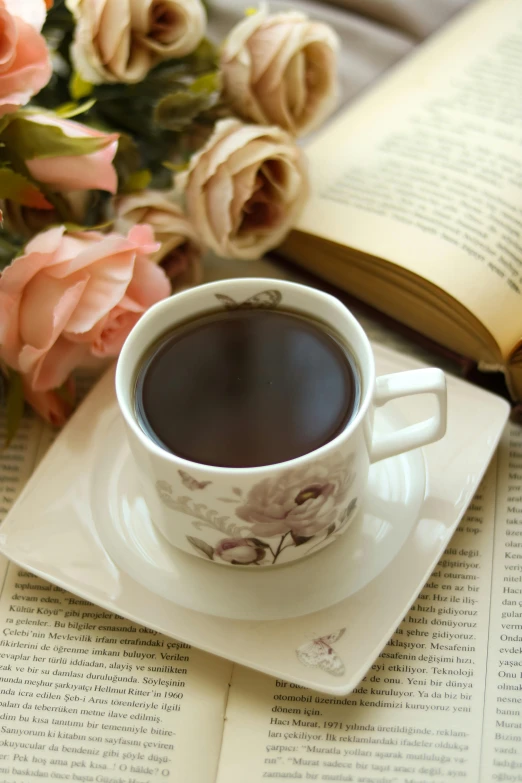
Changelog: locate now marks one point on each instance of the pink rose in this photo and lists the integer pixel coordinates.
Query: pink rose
(302, 501)
(93, 171)
(25, 65)
(74, 296)
(240, 551)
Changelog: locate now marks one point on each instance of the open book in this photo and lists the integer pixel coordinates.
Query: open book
(416, 204)
(88, 696)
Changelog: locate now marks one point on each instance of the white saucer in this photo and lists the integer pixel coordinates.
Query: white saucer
(75, 525)
(387, 517)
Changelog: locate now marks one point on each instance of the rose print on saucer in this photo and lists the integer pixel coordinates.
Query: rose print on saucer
(304, 505)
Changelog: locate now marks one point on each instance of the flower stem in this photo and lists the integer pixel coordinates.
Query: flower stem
(279, 548)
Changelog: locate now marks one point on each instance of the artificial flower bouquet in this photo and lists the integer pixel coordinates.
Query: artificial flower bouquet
(130, 143)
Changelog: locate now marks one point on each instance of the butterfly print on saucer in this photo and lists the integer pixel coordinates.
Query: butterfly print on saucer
(320, 653)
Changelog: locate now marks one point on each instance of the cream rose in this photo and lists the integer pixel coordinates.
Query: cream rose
(180, 251)
(245, 188)
(121, 40)
(282, 70)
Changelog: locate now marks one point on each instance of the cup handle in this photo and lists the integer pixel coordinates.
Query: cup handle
(404, 384)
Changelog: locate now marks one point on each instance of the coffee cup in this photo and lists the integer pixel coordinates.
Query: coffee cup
(268, 515)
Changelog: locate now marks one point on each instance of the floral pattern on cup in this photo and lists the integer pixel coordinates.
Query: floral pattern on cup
(299, 504)
(302, 506)
(240, 551)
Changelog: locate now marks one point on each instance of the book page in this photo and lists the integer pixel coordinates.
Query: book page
(16, 465)
(443, 701)
(502, 747)
(88, 696)
(425, 170)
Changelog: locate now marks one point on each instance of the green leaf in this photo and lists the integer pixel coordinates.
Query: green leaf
(73, 109)
(4, 122)
(179, 109)
(138, 180)
(128, 158)
(206, 54)
(207, 83)
(18, 188)
(14, 406)
(8, 250)
(31, 140)
(176, 167)
(79, 88)
(201, 546)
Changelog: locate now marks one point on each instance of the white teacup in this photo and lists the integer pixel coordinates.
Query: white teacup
(276, 513)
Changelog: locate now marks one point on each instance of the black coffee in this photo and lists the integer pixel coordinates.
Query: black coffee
(244, 388)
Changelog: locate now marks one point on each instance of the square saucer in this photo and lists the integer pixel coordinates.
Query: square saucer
(54, 529)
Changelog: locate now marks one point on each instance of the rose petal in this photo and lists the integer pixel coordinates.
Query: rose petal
(27, 69)
(51, 369)
(32, 12)
(47, 306)
(149, 283)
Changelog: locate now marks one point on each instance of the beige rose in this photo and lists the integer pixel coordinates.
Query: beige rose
(121, 40)
(245, 188)
(281, 70)
(180, 251)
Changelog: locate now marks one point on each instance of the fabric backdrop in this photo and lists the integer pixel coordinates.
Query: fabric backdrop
(374, 33)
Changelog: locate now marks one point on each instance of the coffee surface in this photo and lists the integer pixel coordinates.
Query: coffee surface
(244, 388)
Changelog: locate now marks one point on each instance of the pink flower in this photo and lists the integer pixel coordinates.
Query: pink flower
(74, 296)
(240, 551)
(50, 405)
(302, 501)
(93, 171)
(25, 66)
